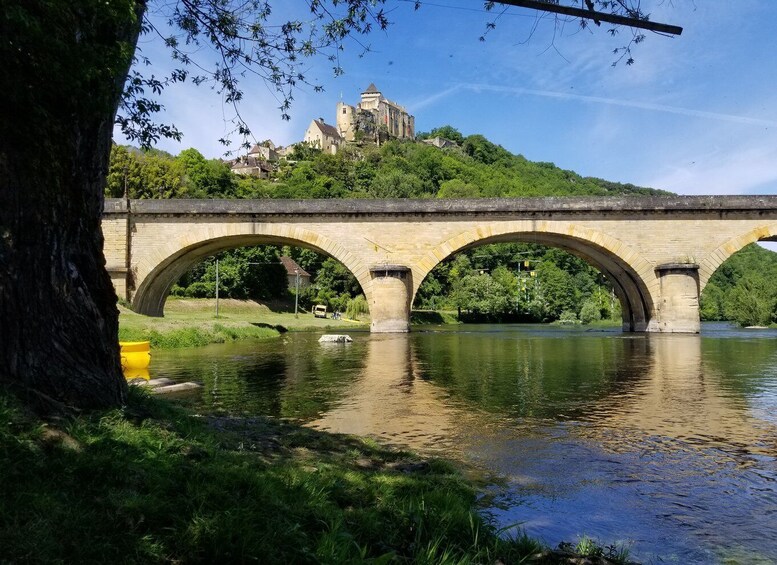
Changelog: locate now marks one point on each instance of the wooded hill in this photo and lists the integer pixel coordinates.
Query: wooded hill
(495, 282)
(473, 167)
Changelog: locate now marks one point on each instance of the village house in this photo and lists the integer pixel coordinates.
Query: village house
(439, 142)
(259, 162)
(293, 270)
(323, 136)
(265, 151)
(251, 166)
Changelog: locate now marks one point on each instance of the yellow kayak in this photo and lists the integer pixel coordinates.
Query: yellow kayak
(135, 354)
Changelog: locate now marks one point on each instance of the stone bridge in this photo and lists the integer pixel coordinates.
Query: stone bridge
(658, 252)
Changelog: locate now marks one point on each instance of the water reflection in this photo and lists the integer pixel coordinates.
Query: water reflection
(390, 400)
(664, 441)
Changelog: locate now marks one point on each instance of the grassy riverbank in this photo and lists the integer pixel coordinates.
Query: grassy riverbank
(192, 322)
(151, 483)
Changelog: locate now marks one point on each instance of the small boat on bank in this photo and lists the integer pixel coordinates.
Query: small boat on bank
(135, 355)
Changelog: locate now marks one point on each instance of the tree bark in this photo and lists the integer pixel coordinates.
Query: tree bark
(65, 64)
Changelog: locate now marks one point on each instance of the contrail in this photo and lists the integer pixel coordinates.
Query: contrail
(475, 87)
(435, 97)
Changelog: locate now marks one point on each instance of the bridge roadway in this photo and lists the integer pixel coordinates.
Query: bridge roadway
(658, 252)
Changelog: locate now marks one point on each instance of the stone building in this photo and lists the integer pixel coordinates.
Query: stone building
(374, 117)
(323, 136)
(251, 166)
(439, 142)
(265, 151)
(293, 270)
(259, 162)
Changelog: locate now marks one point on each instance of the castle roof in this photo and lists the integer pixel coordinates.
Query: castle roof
(371, 89)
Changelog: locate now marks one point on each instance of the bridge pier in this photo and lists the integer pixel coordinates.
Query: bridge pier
(678, 308)
(390, 292)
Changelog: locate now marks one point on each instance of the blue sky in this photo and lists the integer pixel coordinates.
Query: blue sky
(695, 114)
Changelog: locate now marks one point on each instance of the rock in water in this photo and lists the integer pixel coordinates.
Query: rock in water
(335, 338)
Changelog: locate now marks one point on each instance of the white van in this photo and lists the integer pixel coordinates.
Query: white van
(319, 311)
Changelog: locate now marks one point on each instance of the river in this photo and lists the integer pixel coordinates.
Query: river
(666, 444)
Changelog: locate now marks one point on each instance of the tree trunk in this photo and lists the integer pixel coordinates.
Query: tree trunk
(64, 68)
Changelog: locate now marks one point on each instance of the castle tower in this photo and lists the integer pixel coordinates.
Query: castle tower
(371, 98)
(346, 121)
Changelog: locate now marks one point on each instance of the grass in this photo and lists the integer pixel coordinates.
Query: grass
(150, 483)
(436, 317)
(192, 323)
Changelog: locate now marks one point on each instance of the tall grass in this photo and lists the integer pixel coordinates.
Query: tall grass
(150, 483)
(194, 336)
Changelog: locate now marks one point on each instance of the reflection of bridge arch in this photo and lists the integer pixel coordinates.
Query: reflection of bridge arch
(626, 270)
(715, 259)
(175, 257)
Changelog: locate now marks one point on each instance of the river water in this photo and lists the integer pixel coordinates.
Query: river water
(664, 443)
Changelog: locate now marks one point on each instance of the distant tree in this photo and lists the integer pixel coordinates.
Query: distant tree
(394, 184)
(124, 174)
(457, 188)
(446, 132)
(205, 178)
(303, 151)
(753, 301)
(482, 295)
(247, 273)
(483, 151)
(335, 276)
(712, 303)
(590, 312)
(556, 290)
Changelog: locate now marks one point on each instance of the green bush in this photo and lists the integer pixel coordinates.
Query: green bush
(590, 312)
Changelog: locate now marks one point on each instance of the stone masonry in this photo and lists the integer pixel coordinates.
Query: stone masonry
(658, 252)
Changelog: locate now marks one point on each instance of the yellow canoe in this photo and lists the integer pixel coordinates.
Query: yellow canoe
(135, 354)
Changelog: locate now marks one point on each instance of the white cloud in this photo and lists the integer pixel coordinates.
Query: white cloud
(724, 171)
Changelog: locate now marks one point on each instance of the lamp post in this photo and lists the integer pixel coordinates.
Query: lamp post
(296, 294)
(217, 288)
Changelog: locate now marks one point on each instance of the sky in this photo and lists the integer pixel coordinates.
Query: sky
(694, 114)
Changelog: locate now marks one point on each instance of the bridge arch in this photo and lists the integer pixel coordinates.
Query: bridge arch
(715, 259)
(632, 276)
(160, 270)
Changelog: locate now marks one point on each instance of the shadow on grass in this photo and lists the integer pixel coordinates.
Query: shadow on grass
(152, 483)
(277, 327)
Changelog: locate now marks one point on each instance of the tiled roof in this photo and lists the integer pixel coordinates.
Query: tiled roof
(371, 89)
(292, 268)
(326, 129)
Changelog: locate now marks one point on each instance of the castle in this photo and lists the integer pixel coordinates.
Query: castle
(374, 119)
(372, 116)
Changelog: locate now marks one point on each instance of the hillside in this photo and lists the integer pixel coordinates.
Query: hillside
(473, 167)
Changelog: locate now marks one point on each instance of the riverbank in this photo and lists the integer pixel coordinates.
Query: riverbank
(193, 323)
(152, 483)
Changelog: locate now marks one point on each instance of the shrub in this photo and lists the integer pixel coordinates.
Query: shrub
(590, 312)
